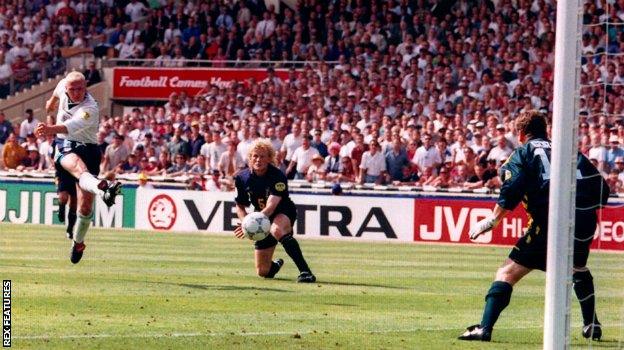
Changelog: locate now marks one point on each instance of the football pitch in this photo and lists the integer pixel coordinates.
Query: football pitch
(147, 290)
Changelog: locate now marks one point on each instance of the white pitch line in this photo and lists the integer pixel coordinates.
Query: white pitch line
(259, 334)
(245, 334)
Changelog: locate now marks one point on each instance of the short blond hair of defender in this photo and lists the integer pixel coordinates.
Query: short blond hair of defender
(263, 145)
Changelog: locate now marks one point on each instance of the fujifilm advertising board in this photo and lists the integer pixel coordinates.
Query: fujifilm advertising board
(24, 202)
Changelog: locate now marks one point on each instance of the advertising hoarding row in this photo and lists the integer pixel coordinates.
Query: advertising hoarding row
(321, 216)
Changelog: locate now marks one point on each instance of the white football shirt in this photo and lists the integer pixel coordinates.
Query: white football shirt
(82, 120)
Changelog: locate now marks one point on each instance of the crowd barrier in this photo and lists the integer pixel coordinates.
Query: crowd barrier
(356, 216)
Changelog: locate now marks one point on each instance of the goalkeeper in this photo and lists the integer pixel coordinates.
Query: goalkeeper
(525, 176)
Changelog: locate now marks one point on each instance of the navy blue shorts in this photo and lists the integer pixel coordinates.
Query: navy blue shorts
(89, 153)
(65, 182)
(270, 241)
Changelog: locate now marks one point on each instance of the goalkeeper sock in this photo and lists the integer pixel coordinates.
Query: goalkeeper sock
(291, 246)
(80, 230)
(496, 301)
(71, 220)
(584, 289)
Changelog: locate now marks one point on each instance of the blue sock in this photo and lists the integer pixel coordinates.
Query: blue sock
(496, 301)
(71, 220)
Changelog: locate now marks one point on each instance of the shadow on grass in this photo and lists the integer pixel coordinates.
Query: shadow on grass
(602, 344)
(210, 286)
(349, 284)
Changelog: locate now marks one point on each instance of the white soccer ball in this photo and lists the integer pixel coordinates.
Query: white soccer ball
(256, 226)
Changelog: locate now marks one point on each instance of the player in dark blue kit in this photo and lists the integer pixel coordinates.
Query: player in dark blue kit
(66, 189)
(265, 187)
(526, 178)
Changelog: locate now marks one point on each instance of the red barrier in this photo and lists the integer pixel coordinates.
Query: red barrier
(449, 220)
(149, 83)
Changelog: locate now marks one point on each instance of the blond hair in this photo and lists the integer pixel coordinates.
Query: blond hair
(74, 76)
(263, 145)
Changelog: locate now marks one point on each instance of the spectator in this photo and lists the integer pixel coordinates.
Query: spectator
(426, 156)
(443, 180)
(6, 128)
(178, 145)
(129, 166)
(357, 151)
(291, 142)
(408, 177)
(21, 73)
(12, 152)
(5, 76)
(615, 185)
(501, 150)
(480, 179)
(373, 165)
(115, 154)
(196, 140)
(346, 173)
(614, 151)
(179, 167)
(92, 74)
(598, 152)
(213, 183)
(231, 161)
(396, 161)
(28, 125)
(333, 161)
(31, 140)
(31, 161)
(459, 176)
(316, 171)
(136, 10)
(319, 144)
(302, 158)
(619, 166)
(199, 168)
(152, 167)
(213, 151)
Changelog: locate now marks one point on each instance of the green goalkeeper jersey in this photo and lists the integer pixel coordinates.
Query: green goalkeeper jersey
(526, 178)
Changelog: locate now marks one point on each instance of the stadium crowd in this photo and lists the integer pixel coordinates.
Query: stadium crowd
(418, 93)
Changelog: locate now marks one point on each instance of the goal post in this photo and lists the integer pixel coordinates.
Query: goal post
(563, 176)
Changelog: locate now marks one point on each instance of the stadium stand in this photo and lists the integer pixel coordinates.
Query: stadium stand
(437, 90)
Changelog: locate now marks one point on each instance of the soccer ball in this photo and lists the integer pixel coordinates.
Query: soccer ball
(256, 226)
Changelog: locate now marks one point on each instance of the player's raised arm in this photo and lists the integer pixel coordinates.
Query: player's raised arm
(52, 104)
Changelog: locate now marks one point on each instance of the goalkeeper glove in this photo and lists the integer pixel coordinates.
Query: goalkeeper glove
(482, 226)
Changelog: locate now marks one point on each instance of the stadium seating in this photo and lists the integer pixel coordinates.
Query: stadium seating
(459, 75)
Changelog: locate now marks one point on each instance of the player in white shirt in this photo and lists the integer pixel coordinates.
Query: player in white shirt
(78, 122)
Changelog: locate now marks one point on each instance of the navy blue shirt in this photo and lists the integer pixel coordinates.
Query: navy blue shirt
(255, 190)
(5, 129)
(395, 163)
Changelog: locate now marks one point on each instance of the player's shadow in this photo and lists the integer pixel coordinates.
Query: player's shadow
(211, 286)
(351, 284)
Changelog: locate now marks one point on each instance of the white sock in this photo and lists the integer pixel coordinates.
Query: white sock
(90, 183)
(81, 227)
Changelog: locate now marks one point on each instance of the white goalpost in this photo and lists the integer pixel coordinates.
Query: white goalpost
(563, 176)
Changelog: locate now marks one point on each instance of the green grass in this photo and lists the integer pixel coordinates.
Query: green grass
(148, 290)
